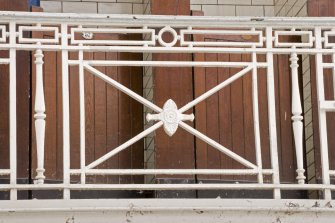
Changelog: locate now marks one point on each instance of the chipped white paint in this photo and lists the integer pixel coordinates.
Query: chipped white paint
(87, 35)
(169, 210)
(267, 31)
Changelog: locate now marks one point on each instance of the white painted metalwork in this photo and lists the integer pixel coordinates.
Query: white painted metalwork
(39, 116)
(76, 33)
(170, 116)
(297, 118)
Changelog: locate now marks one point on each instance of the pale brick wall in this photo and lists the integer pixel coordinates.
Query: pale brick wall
(290, 8)
(95, 6)
(234, 7)
(210, 7)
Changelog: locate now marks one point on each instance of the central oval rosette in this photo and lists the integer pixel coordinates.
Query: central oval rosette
(170, 116)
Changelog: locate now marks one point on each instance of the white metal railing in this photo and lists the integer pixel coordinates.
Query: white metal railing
(267, 31)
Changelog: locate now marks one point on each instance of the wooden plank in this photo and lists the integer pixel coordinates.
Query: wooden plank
(287, 167)
(212, 115)
(59, 116)
(50, 93)
(124, 119)
(249, 136)
(237, 113)
(180, 7)
(112, 116)
(4, 111)
(200, 111)
(100, 115)
(176, 84)
(89, 116)
(225, 115)
(136, 81)
(74, 115)
(263, 115)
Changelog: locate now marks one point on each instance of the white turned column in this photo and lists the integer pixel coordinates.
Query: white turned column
(297, 118)
(39, 117)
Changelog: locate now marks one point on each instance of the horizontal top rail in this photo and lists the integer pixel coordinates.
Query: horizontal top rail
(163, 20)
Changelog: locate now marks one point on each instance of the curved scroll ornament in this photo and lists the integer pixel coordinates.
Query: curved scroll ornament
(170, 116)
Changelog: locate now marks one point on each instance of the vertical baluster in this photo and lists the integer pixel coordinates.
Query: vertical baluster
(297, 118)
(12, 111)
(272, 113)
(39, 117)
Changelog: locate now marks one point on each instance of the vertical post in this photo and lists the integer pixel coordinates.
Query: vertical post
(297, 118)
(322, 115)
(333, 69)
(66, 112)
(39, 116)
(272, 113)
(12, 110)
(82, 114)
(256, 116)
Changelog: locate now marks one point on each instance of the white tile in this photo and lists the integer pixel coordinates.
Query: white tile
(218, 10)
(146, 8)
(278, 5)
(269, 11)
(51, 6)
(138, 8)
(80, 7)
(301, 3)
(195, 7)
(249, 11)
(204, 2)
(303, 12)
(115, 8)
(130, 1)
(61, 0)
(99, 0)
(234, 2)
(308, 117)
(262, 2)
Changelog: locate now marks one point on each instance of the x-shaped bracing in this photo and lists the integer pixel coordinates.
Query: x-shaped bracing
(170, 117)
